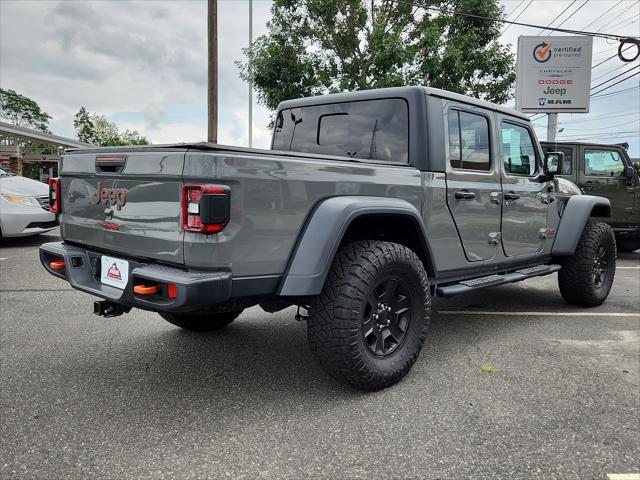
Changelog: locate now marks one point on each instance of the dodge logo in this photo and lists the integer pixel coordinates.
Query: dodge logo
(110, 196)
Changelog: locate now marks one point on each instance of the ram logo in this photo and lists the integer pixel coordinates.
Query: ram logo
(542, 101)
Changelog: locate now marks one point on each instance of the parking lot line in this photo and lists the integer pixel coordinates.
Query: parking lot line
(629, 268)
(623, 476)
(540, 314)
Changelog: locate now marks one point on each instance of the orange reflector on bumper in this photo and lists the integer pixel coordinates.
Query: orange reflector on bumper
(146, 290)
(56, 265)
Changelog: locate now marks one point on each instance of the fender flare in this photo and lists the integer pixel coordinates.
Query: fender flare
(574, 217)
(319, 240)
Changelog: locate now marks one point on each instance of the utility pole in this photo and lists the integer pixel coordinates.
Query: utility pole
(212, 89)
(552, 126)
(250, 74)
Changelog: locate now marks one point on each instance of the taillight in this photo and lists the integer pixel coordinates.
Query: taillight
(205, 208)
(54, 195)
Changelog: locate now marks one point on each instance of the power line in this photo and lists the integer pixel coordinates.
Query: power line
(617, 92)
(600, 117)
(610, 71)
(613, 135)
(597, 128)
(625, 21)
(517, 7)
(557, 16)
(614, 84)
(602, 16)
(511, 22)
(608, 23)
(612, 56)
(523, 10)
(613, 78)
(572, 14)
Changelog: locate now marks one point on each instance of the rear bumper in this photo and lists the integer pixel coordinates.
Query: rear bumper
(194, 289)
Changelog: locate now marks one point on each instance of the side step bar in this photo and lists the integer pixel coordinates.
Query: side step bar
(497, 279)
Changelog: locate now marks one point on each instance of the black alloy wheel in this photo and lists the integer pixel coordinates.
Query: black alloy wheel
(386, 316)
(600, 267)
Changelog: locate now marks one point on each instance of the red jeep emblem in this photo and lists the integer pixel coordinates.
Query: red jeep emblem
(111, 196)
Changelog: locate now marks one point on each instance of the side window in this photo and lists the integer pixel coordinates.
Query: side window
(468, 141)
(603, 163)
(518, 152)
(369, 129)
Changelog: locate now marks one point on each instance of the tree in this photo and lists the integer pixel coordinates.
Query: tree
(323, 46)
(22, 111)
(96, 129)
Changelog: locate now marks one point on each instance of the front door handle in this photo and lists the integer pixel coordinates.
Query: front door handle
(511, 196)
(465, 195)
(588, 185)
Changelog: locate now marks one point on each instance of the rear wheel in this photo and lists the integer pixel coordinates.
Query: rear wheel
(201, 322)
(368, 325)
(586, 277)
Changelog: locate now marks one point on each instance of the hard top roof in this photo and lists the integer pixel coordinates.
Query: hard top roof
(404, 92)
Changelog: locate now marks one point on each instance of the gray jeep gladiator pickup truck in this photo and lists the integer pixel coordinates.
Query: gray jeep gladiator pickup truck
(368, 204)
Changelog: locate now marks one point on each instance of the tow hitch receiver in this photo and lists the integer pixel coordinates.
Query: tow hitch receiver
(105, 308)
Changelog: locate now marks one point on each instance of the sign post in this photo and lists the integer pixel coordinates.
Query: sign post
(553, 76)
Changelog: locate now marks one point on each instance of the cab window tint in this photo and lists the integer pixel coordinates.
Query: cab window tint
(603, 163)
(468, 141)
(519, 154)
(370, 130)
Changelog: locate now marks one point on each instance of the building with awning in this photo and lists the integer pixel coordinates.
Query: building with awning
(32, 153)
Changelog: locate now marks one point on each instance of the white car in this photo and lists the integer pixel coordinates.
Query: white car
(24, 206)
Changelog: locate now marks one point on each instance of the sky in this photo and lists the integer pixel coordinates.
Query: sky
(143, 64)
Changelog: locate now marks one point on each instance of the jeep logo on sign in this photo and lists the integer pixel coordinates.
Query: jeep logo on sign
(110, 196)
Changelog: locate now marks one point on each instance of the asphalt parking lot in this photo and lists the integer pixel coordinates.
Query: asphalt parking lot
(513, 383)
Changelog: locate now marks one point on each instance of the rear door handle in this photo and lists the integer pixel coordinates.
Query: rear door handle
(511, 196)
(465, 195)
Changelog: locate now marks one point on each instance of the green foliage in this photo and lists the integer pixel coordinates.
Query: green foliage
(96, 129)
(488, 368)
(22, 111)
(324, 46)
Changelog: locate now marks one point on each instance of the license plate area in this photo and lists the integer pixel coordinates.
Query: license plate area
(114, 272)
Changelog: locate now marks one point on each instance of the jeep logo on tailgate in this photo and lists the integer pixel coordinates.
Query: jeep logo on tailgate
(113, 196)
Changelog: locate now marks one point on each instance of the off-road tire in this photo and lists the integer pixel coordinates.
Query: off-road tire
(337, 316)
(628, 244)
(577, 279)
(199, 322)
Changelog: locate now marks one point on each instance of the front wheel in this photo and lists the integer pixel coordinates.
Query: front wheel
(201, 322)
(587, 276)
(368, 325)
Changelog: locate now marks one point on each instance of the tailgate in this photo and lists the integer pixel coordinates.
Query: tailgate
(124, 202)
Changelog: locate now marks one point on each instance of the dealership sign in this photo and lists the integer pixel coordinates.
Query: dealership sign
(554, 74)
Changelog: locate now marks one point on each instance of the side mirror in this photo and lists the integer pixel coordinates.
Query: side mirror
(552, 162)
(629, 172)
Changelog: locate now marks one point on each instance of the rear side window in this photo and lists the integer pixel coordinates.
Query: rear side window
(468, 141)
(369, 130)
(519, 154)
(603, 163)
